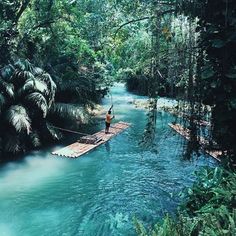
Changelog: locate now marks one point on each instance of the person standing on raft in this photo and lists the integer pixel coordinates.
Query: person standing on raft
(108, 120)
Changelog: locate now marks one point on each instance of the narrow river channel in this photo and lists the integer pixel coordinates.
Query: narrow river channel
(101, 192)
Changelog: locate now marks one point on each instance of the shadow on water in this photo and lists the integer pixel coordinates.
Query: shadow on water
(101, 192)
(108, 147)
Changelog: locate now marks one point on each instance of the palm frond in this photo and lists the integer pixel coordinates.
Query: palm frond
(65, 111)
(34, 91)
(55, 134)
(7, 88)
(33, 85)
(24, 65)
(12, 144)
(20, 77)
(18, 118)
(38, 100)
(35, 139)
(37, 71)
(7, 71)
(2, 102)
(46, 78)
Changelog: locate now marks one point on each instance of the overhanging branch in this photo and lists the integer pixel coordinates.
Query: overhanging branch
(143, 18)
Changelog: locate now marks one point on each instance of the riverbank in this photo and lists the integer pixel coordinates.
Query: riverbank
(208, 208)
(162, 103)
(101, 192)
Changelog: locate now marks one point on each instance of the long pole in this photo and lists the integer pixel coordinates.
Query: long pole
(68, 130)
(113, 111)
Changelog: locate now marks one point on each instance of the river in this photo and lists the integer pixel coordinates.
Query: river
(101, 192)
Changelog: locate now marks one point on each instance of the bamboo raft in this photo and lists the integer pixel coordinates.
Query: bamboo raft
(186, 116)
(88, 143)
(203, 142)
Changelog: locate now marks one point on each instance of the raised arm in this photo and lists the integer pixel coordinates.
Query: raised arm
(111, 108)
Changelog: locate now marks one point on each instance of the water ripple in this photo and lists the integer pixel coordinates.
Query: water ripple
(99, 193)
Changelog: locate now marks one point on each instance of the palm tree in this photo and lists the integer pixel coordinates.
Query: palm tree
(26, 95)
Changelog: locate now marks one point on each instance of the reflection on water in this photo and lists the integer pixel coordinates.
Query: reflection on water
(107, 146)
(99, 193)
(149, 133)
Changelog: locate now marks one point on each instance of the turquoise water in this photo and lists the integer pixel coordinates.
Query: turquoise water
(99, 193)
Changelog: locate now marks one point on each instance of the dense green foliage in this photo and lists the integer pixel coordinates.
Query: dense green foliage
(27, 95)
(182, 49)
(218, 70)
(52, 35)
(209, 208)
(189, 54)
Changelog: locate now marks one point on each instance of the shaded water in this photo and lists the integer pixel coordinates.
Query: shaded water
(99, 193)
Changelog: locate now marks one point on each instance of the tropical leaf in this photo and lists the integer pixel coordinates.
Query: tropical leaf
(2, 102)
(232, 73)
(17, 117)
(38, 100)
(20, 77)
(218, 43)
(7, 88)
(55, 134)
(207, 73)
(209, 209)
(33, 85)
(35, 88)
(66, 111)
(51, 91)
(12, 144)
(140, 229)
(7, 71)
(35, 139)
(24, 65)
(37, 71)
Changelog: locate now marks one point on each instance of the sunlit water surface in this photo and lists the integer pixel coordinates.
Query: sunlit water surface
(101, 192)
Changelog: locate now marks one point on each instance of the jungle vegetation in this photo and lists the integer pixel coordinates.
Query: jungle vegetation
(209, 208)
(59, 57)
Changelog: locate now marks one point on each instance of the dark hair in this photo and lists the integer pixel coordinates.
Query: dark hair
(109, 112)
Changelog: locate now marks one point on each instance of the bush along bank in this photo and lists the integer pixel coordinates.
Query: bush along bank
(209, 208)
